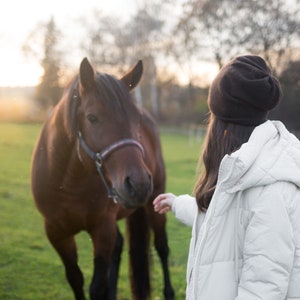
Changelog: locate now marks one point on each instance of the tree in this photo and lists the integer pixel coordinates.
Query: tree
(288, 110)
(99, 41)
(43, 44)
(225, 28)
(120, 43)
(144, 37)
(270, 30)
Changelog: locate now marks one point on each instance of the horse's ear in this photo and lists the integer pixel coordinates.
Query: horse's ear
(132, 78)
(86, 75)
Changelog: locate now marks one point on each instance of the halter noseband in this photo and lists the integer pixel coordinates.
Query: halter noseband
(101, 156)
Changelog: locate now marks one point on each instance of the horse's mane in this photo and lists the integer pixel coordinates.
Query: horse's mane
(111, 90)
(71, 98)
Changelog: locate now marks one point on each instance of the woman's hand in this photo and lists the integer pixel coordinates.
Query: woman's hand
(163, 202)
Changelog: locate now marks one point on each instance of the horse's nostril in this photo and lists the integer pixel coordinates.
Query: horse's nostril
(129, 187)
(150, 186)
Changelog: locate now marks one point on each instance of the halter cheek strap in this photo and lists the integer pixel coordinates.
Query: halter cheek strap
(100, 157)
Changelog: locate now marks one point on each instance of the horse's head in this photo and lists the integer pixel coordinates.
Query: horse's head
(104, 118)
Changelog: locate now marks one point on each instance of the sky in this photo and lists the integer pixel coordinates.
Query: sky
(18, 18)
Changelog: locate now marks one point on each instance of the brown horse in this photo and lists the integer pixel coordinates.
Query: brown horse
(98, 159)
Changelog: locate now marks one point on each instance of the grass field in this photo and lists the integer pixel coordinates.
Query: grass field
(29, 267)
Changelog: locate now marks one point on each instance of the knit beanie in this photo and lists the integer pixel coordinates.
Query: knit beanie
(244, 91)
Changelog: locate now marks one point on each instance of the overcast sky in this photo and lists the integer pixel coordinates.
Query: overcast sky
(18, 18)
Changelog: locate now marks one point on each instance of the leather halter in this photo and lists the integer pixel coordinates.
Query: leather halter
(100, 157)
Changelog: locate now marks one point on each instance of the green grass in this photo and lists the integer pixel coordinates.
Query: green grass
(29, 267)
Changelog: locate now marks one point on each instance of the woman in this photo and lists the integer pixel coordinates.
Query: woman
(246, 211)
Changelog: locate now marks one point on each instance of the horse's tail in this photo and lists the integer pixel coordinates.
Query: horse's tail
(138, 236)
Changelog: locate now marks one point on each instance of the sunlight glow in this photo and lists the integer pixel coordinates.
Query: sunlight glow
(19, 73)
(19, 18)
(15, 70)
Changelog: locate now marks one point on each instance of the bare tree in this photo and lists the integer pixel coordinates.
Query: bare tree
(144, 36)
(205, 30)
(225, 28)
(99, 41)
(113, 42)
(270, 30)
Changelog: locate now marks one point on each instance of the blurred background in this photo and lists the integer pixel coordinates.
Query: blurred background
(182, 43)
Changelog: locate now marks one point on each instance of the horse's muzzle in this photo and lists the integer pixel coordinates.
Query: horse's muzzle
(135, 192)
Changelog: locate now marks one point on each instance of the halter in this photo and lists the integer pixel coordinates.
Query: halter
(101, 156)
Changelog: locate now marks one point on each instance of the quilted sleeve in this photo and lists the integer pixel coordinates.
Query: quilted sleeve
(269, 247)
(185, 209)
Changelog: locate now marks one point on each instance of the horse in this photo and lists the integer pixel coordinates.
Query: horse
(97, 160)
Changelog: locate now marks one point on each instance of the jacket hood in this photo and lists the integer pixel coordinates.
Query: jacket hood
(271, 154)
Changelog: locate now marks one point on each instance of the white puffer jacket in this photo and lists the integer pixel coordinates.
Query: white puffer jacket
(247, 245)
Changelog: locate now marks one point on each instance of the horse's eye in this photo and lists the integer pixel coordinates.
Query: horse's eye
(92, 118)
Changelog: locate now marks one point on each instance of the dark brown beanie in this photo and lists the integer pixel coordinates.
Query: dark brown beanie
(244, 91)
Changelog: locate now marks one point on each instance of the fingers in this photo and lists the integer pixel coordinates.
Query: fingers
(162, 210)
(159, 198)
(163, 203)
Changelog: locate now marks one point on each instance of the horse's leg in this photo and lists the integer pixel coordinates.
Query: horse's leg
(103, 236)
(138, 231)
(66, 248)
(158, 224)
(115, 266)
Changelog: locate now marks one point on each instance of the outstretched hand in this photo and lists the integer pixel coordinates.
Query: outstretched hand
(163, 202)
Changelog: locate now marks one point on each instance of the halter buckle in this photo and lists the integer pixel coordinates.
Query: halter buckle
(99, 160)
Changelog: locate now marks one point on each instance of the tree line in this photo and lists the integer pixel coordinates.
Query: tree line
(163, 35)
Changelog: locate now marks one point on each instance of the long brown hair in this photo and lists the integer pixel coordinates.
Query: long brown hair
(222, 138)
